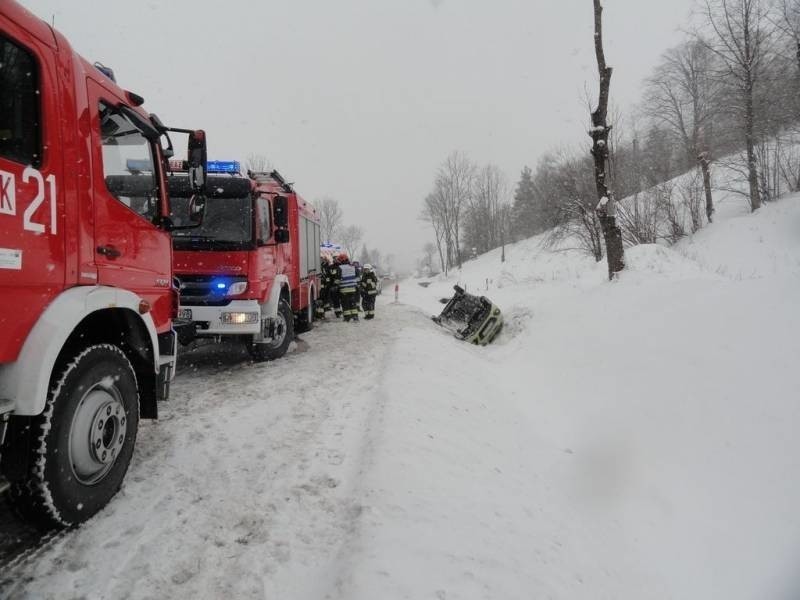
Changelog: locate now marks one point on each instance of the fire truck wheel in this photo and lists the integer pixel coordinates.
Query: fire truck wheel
(284, 336)
(82, 443)
(305, 319)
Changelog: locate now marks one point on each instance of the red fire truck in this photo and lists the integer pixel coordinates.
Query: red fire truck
(252, 270)
(87, 299)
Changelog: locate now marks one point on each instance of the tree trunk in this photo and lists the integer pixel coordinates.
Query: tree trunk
(797, 54)
(458, 246)
(606, 209)
(752, 171)
(441, 257)
(749, 120)
(704, 162)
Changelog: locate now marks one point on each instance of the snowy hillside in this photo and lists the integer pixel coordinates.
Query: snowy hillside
(624, 440)
(644, 432)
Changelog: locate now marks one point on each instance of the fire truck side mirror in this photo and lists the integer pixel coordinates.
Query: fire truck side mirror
(281, 236)
(280, 210)
(197, 209)
(197, 160)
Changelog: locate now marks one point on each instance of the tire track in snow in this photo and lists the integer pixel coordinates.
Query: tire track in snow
(244, 487)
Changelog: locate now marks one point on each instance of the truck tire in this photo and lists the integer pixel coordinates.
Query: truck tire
(278, 347)
(304, 321)
(82, 443)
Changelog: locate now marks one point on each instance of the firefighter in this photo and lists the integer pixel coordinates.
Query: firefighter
(334, 298)
(323, 300)
(348, 287)
(369, 290)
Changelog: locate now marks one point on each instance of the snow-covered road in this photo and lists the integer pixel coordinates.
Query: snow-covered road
(245, 486)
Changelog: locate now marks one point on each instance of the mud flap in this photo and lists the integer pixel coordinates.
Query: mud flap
(168, 350)
(186, 330)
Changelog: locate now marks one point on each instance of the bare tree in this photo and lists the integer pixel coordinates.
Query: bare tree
(639, 215)
(690, 191)
(483, 217)
(454, 185)
(504, 224)
(258, 163)
(580, 226)
(428, 250)
(435, 213)
(787, 19)
(682, 95)
(570, 186)
(606, 209)
(330, 218)
(739, 34)
(351, 237)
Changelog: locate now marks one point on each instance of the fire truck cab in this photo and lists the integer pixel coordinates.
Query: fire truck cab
(252, 270)
(87, 346)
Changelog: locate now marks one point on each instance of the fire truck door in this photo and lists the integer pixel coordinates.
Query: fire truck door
(130, 251)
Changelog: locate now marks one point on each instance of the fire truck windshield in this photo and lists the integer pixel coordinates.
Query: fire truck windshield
(227, 225)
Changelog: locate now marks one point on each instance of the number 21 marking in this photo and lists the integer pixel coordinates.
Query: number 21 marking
(27, 218)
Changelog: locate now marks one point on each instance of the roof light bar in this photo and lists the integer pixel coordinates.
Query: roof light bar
(224, 166)
(214, 166)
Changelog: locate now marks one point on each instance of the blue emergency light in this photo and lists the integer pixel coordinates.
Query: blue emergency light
(224, 166)
(221, 286)
(139, 164)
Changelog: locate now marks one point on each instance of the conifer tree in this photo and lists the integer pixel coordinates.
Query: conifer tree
(524, 209)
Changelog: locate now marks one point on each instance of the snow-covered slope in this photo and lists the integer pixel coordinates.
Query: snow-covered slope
(634, 439)
(626, 440)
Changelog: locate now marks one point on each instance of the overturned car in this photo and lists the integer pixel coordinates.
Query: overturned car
(471, 318)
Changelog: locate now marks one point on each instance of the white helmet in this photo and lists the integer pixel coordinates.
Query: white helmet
(367, 267)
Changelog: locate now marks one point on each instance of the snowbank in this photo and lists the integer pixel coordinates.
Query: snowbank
(643, 430)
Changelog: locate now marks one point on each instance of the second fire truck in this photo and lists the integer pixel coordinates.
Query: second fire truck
(252, 270)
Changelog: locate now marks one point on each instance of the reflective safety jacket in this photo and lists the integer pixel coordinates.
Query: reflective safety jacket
(348, 281)
(369, 283)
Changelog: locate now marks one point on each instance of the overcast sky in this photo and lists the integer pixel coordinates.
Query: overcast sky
(361, 100)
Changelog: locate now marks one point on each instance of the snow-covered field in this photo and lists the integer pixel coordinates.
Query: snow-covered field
(626, 440)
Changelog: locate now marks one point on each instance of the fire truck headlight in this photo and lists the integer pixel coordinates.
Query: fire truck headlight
(234, 289)
(239, 318)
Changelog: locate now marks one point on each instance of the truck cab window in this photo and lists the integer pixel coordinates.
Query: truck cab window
(265, 232)
(128, 164)
(20, 128)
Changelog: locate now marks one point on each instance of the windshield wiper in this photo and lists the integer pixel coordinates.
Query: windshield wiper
(194, 237)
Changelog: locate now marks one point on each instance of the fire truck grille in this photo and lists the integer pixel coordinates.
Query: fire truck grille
(206, 290)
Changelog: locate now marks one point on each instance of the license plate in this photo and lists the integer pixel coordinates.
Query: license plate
(185, 314)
